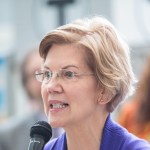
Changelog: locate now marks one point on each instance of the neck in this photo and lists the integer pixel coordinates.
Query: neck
(86, 136)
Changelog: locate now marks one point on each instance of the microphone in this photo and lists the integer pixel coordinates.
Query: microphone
(40, 134)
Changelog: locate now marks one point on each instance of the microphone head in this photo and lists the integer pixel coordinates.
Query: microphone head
(43, 129)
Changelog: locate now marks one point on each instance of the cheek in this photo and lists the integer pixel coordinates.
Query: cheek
(84, 92)
(83, 101)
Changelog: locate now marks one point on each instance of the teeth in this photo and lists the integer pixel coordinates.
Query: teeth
(55, 106)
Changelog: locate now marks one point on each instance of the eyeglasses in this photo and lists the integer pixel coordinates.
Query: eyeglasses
(45, 75)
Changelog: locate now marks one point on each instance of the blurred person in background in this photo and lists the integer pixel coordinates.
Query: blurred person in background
(86, 73)
(135, 115)
(16, 135)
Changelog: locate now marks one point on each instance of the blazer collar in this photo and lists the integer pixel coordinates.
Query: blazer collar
(111, 138)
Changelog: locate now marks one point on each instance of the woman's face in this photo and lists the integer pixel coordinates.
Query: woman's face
(32, 86)
(72, 101)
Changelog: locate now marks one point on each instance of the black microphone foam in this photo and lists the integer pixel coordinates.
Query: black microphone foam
(40, 134)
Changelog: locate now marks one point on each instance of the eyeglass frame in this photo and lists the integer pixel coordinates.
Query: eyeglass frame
(58, 74)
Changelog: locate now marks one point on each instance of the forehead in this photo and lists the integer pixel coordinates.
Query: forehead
(66, 54)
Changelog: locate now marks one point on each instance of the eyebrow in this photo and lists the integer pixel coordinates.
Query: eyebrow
(68, 66)
(65, 67)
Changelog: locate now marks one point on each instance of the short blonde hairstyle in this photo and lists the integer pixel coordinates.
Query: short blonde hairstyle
(107, 54)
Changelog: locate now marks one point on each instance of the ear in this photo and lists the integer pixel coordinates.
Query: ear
(104, 97)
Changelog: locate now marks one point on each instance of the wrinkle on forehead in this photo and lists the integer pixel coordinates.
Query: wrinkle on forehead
(63, 55)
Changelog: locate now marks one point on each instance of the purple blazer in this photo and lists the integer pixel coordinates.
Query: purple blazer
(114, 137)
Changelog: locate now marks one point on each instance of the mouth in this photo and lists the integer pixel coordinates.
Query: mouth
(58, 105)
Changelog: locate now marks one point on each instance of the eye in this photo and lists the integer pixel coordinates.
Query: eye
(47, 75)
(68, 74)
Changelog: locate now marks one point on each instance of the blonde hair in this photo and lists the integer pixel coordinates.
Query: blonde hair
(107, 54)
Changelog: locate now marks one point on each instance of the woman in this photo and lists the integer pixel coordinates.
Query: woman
(86, 73)
(135, 115)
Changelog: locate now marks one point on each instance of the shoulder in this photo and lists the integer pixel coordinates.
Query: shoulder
(132, 142)
(57, 143)
(119, 138)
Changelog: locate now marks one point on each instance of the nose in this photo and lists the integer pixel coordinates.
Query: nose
(54, 86)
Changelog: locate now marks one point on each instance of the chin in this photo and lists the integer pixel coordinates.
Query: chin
(55, 124)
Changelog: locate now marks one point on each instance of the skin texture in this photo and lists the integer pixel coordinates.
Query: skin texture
(84, 112)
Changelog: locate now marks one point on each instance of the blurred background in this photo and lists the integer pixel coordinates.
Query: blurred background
(23, 23)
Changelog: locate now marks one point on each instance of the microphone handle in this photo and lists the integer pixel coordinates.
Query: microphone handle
(36, 143)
